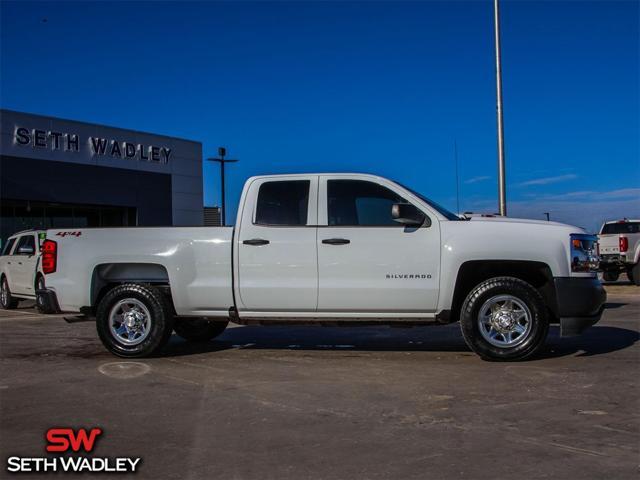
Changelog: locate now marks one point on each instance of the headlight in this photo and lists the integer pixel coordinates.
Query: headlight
(584, 253)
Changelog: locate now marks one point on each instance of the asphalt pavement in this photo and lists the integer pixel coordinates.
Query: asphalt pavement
(332, 402)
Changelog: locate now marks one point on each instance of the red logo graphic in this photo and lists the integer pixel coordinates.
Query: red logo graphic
(64, 234)
(63, 439)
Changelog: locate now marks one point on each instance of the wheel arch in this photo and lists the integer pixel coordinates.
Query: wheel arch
(473, 272)
(106, 276)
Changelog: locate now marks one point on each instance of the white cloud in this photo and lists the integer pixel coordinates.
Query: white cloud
(548, 180)
(590, 195)
(623, 193)
(477, 179)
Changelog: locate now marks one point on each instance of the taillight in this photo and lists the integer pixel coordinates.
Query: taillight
(49, 256)
(624, 244)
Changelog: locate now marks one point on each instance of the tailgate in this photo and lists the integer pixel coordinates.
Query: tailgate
(609, 244)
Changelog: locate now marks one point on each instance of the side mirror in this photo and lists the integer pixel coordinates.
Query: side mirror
(408, 214)
(26, 251)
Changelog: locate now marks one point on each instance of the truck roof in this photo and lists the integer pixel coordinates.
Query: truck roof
(29, 230)
(624, 220)
(333, 174)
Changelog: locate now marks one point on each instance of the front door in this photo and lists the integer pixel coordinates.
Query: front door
(277, 263)
(366, 261)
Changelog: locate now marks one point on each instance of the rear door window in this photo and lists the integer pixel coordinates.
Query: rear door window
(622, 227)
(283, 203)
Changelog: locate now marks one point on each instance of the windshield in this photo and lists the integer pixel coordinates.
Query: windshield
(440, 209)
(621, 227)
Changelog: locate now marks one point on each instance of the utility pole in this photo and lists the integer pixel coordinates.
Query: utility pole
(455, 154)
(547, 214)
(502, 188)
(221, 160)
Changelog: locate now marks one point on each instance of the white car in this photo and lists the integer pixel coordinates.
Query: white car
(20, 277)
(620, 250)
(329, 248)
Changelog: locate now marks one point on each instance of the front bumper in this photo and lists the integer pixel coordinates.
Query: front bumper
(48, 299)
(580, 303)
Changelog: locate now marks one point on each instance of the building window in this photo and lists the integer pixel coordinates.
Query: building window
(18, 215)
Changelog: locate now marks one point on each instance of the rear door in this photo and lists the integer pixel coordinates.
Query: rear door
(367, 262)
(276, 266)
(23, 265)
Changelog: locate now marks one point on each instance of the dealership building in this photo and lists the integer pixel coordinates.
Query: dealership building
(57, 173)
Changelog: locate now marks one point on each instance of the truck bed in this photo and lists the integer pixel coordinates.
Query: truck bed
(196, 261)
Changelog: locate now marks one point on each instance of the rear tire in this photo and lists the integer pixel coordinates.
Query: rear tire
(504, 318)
(7, 302)
(134, 320)
(199, 329)
(634, 274)
(610, 276)
(40, 304)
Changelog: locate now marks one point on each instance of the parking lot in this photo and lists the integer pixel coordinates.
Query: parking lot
(328, 403)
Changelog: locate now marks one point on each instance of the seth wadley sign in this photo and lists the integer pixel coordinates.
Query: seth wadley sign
(98, 146)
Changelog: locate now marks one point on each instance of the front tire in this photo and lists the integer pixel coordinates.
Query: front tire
(134, 320)
(504, 318)
(7, 302)
(199, 329)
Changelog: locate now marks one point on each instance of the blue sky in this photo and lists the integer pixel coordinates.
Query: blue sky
(371, 86)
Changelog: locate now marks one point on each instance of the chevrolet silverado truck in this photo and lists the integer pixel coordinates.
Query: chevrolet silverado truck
(620, 250)
(329, 249)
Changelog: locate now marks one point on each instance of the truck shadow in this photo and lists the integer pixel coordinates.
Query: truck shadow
(597, 340)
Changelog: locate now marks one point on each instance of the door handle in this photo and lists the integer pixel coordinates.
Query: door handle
(336, 241)
(19, 263)
(256, 241)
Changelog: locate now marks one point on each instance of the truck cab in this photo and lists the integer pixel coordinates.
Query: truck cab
(329, 245)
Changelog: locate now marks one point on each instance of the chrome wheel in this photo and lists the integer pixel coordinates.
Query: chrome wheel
(130, 321)
(504, 321)
(39, 286)
(4, 293)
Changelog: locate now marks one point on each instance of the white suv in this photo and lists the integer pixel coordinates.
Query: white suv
(20, 277)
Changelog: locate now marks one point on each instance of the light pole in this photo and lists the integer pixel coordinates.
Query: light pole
(221, 160)
(502, 188)
(547, 214)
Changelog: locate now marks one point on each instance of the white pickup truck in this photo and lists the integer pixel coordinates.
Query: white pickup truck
(327, 249)
(620, 249)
